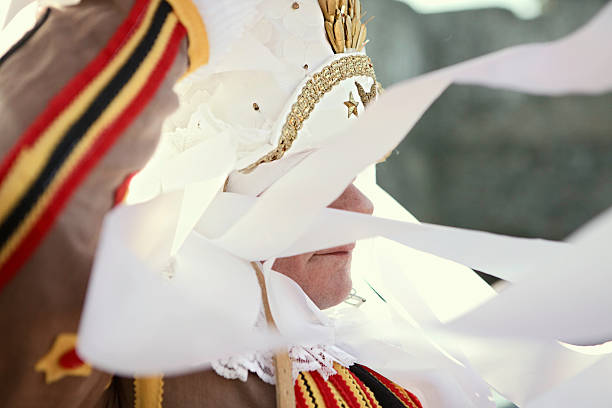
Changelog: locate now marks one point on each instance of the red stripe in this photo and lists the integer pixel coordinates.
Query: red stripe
(104, 141)
(325, 390)
(70, 360)
(300, 401)
(364, 389)
(76, 85)
(394, 388)
(345, 391)
(414, 398)
(122, 191)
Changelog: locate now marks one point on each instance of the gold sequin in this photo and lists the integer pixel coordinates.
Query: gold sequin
(311, 93)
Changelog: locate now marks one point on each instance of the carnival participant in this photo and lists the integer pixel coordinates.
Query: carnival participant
(188, 276)
(179, 285)
(100, 82)
(248, 100)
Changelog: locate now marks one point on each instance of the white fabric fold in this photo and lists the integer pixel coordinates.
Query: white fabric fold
(147, 312)
(508, 258)
(288, 207)
(583, 390)
(9, 10)
(140, 318)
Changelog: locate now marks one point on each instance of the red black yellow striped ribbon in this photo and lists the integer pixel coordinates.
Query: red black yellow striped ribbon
(385, 389)
(79, 125)
(357, 387)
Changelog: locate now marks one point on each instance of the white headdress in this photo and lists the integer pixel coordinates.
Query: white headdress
(172, 288)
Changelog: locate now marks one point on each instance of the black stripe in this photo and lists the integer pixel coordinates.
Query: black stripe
(310, 393)
(26, 37)
(80, 127)
(383, 395)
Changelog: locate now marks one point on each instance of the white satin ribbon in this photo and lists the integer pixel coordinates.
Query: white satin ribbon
(135, 320)
(288, 207)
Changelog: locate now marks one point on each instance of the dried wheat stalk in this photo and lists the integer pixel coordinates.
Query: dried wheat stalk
(343, 25)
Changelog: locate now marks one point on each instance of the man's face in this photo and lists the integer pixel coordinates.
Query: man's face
(325, 275)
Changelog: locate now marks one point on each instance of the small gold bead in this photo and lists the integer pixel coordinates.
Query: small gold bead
(295, 5)
(311, 93)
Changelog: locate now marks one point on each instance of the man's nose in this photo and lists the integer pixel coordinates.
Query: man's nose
(352, 199)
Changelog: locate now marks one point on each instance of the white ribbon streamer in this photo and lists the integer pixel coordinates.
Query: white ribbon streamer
(136, 320)
(288, 207)
(508, 258)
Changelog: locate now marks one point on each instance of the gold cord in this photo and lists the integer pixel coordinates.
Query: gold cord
(148, 392)
(285, 396)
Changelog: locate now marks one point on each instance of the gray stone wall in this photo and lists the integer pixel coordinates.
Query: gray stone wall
(488, 159)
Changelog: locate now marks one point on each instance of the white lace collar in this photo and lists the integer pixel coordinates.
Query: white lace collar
(319, 358)
(304, 358)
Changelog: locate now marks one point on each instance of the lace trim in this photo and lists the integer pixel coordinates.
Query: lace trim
(319, 358)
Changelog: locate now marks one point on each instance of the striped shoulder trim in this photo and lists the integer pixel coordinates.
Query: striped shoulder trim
(342, 390)
(79, 125)
(308, 394)
(358, 388)
(388, 393)
(347, 385)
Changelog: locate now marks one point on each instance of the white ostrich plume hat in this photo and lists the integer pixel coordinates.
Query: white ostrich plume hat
(297, 75)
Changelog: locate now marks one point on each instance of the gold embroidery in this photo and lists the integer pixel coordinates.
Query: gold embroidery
(51, 363)
(312, 92)
(345, 31)
(351, 105)
(366, 97)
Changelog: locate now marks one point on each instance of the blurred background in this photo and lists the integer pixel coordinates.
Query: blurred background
(486, 159)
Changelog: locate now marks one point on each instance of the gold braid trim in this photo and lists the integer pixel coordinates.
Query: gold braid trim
(148, 392)
(311, 93)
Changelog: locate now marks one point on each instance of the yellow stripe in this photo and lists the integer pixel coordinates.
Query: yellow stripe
(315, 390)
(355, 389)
(371, 394)
(402, 391)
(114, 109)
(148, 392)
(339, 399)
(189, 16)
(304, 390)
(395, 390)
(30, 161)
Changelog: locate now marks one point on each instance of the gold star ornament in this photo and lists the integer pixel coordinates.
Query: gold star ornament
(62, 360)
(351, 105)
